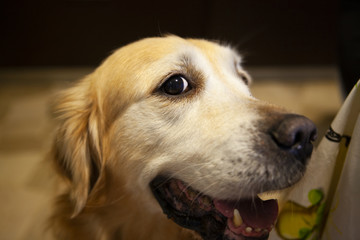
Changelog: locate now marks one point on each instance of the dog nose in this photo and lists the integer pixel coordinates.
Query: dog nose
(295, 134)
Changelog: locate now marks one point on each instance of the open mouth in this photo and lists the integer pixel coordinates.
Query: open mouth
(244, 219)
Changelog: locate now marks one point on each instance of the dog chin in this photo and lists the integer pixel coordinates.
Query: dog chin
(213, 218)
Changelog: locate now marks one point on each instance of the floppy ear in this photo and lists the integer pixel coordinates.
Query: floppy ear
(77, 147)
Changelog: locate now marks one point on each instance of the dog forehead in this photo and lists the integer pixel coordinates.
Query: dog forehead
(151, 51)
(136, 70)
(215, 51)
(142, 64)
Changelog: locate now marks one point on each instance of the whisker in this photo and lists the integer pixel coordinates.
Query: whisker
(169, 177)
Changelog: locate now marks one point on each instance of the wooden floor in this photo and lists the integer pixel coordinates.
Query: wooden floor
(26, 127)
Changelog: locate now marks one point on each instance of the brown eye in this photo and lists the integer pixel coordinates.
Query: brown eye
(175, 85)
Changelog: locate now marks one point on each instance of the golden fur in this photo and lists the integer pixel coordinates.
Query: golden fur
(117, 132)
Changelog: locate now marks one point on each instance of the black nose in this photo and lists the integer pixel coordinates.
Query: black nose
(295, 133)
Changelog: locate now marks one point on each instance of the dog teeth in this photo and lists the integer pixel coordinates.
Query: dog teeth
(238, 221)
(237, 218)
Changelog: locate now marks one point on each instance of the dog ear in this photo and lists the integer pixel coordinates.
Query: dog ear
(77, 148)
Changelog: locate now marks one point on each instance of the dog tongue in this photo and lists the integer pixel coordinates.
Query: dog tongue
(254, 212)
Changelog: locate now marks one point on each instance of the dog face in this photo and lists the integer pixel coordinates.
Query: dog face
(172, 123)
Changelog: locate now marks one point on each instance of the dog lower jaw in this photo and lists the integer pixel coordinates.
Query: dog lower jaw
(251, 218)
(229, 235)
(211, 218)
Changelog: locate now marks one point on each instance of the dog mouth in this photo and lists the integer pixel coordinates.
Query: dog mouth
(243, 219)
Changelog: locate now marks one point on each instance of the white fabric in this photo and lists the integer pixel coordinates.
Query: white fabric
(334, 171)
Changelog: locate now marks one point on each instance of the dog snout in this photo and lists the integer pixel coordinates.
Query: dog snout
(295, 134)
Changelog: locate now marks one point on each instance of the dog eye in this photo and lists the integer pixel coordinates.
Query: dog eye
(175, 85)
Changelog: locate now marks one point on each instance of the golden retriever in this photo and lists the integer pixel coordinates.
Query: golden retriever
(165, 141)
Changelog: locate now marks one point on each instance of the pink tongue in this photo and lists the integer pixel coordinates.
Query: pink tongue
(254, 212)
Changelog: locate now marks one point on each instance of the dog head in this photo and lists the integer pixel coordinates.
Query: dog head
(172, 123)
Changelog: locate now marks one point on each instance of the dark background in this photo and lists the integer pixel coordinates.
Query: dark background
(84, 32)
